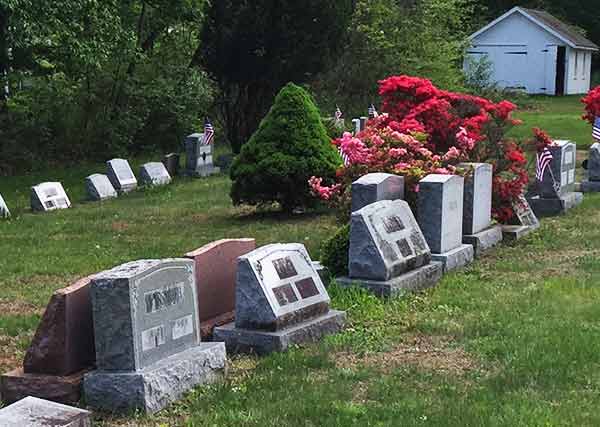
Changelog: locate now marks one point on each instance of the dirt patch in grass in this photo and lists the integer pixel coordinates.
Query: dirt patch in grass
(18, 307)
(10, 355)
(119, 226)
(421, 351)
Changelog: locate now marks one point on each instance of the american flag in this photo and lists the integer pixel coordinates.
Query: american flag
(344, 156)
(373, 112)
(209, 132)
(542, 161)
(596, 130)
(338, 113)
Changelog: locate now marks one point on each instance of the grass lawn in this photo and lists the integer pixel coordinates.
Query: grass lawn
(513, 340)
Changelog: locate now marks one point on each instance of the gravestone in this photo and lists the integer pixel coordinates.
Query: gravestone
(363, 123)
(99, 187)
(525, 220)
(556, 191)
(374, 187)
(356, 125)
(148, 350)
(154, 174)
(61, 352)
(199, 157)
(388, 253)
(477, 208)
(34, 412)
(49, 196)
(592, 184)
(440, 216)
(121, 176)
(280, 301)
(4, 212)
(216, 266)
(171, 162)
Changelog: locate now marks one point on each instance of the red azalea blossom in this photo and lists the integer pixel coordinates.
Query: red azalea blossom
(592, 105)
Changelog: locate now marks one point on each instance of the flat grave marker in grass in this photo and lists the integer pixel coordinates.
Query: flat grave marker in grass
(388, 253)
(526, 220)
(34, 412)
(440, 217)
(148, 349)
(280, 301)
(374, 187)
(49, 196)
(121, 175)
(99, 187)
(154, 174)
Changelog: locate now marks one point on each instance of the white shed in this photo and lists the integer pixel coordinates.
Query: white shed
(532, 50)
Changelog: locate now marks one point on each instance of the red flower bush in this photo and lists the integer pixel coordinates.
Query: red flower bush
(592, 105)
(427, 130)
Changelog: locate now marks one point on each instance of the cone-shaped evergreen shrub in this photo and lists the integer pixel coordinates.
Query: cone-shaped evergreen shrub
(289, 147)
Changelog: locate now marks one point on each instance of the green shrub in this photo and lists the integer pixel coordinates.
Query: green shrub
(289, 147)
(334, 252)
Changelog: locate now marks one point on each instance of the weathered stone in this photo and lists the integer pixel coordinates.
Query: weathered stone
(455, 258)
(264, 342)
(385, 241)
(559, 177)
(4, 212)
(171, 162)
(154, 174)
(154, 387)
(99, 187)
(374, 187)
(16, 385)
(415, 280)
(49, 196)
(120, 175)
(64, 341)
(484, 240)
(199, 157)
(555, 206)
(593, 166)
(515, 232)
(477, 206)
(34, 412)
(216, 266)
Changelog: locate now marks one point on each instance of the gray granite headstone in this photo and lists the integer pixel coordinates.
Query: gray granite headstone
(594, 163)
(4, 212)
(121, 176)
(385, 241)
(199, 157)
(477, 208)
(154, 174)
(49, 196)
(559, 177)
(34, 412)
(99, 187)
(374, 187)
(440, 211)
(171, 162)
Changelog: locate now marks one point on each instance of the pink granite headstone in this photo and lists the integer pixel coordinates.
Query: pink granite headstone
(216, 267)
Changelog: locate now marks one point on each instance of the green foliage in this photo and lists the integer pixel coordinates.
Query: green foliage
(253, 47)
(334, 252)
(290, 146)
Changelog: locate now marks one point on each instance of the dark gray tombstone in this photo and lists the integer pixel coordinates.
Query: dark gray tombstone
(49, 196)
(4, 212)
(477, 208)
(280, 301)
(441, 219)
(525, 218)
(171, 162)
(199, 157)
(363, 123)
(99, 187)
(34, 412)
(374, 187)
(148, 350)
(154, 174)
(121, 176)
(388, 253)
(556, 191)
(592, 184)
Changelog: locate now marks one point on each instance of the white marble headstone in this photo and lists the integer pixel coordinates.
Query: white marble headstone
(154, 174)
(477, 209)
(49, 196)
(120, 175)
(99, 187)
(4, 212)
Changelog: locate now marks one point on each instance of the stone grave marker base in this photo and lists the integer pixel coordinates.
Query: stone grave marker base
(203, 171)
(207, 326)
(34, 412)
(156, 386)
(456, 258)
(511, 233)
(552, 207)
(484, 240)
(415, 280)
(589, 187)
(16, 385)
(239, 340)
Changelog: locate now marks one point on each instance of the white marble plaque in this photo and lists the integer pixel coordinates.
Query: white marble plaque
(182, 327)
(153, 338)
(49, 196)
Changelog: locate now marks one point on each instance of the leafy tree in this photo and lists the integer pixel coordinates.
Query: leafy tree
(289, 147)
(253, 47)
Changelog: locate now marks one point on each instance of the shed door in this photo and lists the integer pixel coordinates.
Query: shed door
(550, 69)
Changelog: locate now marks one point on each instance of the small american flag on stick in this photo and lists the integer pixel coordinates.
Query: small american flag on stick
(373, 114)
(209, 132)
(345, 157)
(543, 160)
(338, 113)
(596, 129)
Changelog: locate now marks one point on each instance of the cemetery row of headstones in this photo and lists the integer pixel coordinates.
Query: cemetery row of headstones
(138, 336)
(119, 177)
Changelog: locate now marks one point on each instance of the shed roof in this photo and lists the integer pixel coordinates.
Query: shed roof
(550, 23)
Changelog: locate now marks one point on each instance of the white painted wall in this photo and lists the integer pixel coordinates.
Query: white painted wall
(579, 71)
